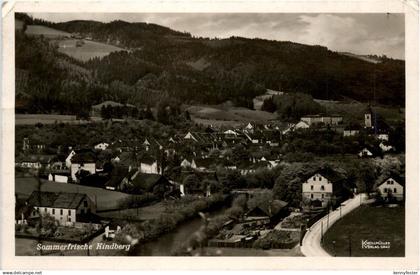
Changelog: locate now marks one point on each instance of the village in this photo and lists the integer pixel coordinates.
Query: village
(135, 187)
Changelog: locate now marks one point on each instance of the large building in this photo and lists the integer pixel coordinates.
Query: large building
(322, 119)
(66, 208)
(319, 188)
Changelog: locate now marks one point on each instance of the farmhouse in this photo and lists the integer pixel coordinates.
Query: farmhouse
(84, 161)
(322, 119)
(149, 165)
(66, 208)
(318, 187)
(101, 146)
(392, 189)
(365, 153)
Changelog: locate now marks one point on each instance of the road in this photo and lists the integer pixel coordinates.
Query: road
(311, 244)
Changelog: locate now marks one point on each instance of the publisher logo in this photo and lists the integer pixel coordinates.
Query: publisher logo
(366, 244)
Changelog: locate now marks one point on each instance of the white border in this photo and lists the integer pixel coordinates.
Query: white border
(9, 261)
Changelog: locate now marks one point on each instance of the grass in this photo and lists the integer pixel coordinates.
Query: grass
(226, 115)
(106, 199)
(32, 119)
(88, 50)
(368, 223)
(45, 31)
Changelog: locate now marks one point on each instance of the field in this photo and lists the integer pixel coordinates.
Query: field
(67, 45)
(368, 223)
(88, 50)
(32, 119)
(45, 31)
(105, 199)
(226, 115)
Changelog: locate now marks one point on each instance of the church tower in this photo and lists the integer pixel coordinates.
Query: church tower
(368, 117)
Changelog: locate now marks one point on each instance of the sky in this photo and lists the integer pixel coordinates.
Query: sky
(356, 33)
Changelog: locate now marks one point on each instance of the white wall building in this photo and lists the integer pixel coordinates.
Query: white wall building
(391, 187)
(319, 188)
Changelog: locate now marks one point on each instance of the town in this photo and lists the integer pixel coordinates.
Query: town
(258, 186)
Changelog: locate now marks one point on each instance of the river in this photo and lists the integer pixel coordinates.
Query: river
(167, 243)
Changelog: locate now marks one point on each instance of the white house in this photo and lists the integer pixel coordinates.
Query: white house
(385, 148)
(365, 153)
(350, 132)
(82, 161)
(149, 166)
(383, 137)
(188, 164)
(101, 146)
(63, 207)
(319, 188)
(111, 230)
(58, 178)
(391, 188)
(69, 157)
(190, 136)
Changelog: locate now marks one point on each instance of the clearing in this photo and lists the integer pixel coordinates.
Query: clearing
(385, 224)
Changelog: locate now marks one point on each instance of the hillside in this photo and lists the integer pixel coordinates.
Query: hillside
(160, 63)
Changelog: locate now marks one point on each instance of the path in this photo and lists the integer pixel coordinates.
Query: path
(311, 244)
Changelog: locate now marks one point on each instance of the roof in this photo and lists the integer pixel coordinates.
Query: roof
(112, 104)
(84, 157)
(330, 174)
(397, 178)
(147, 182)
(56, 200)
(117, 175)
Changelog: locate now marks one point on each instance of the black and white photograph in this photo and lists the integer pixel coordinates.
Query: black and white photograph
(210, 134)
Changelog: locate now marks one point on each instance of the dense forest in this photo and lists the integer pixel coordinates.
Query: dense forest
(159, 63)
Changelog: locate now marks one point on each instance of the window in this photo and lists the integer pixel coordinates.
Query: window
(395, 190)
(385, 190)
(320, 178)
(53, 211)
(45, 209)
(367, 116)
(312, 187)
(85, 204)
(322, 187)
(322, 195)
(314, 178)
(312, 196)
(69, 212)
(61, 212)
(69, 219)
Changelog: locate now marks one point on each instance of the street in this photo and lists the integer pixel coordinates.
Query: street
(311, 244)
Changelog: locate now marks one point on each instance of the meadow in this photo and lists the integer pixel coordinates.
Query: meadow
(370, 223)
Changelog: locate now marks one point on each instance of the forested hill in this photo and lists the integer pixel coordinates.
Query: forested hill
(160, 62)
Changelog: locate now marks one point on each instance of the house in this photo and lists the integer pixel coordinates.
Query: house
(149, 165)
(188, 164)
(147, 183)
(33, 161)
(383, 136)
(111, 230)
(392, 188)
(322, 119)
(101, 146)
(83, 161)
(291, 127)
(369, 117)
(66, 208)
(64, 178)
(365, 153)
(318, 187)
(386, 148)
(118, 175)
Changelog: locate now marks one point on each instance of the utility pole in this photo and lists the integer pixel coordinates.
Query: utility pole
(350, 244)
